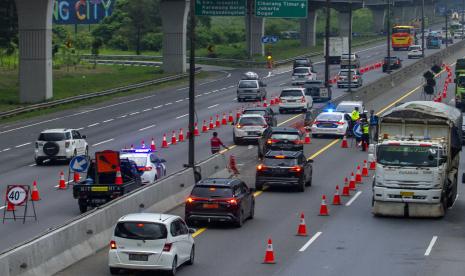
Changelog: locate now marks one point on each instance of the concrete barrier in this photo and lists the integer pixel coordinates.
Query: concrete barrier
(83, 236)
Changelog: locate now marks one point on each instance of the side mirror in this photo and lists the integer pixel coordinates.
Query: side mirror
(192, 230)
(84, 136)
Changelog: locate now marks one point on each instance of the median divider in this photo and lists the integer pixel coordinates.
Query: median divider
(83, 236)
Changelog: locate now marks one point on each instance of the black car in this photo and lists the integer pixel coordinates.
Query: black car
(395, 63)
(318, 90)
(302, 62)
(220, 200)
(266, 112)
(284, 168)
(280, 138)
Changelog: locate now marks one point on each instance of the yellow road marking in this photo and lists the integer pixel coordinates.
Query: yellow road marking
(323, 149)
(257, 193)
(198, 232)
(288, 120)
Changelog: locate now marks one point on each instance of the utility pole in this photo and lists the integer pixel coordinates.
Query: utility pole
(388, 69)
(249, 27)
(191, 161)
(423, 28)
(349, 88)
(447, 23)
(463, 11)
(328, 15)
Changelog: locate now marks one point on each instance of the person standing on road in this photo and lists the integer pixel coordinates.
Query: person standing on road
(216, 143)
(365, 134)
(354, 117)
(373, 126)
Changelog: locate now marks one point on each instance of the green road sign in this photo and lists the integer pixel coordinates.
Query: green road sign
(220, 7)
(281, 8)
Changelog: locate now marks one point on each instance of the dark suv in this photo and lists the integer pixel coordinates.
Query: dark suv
(284, 168)
(220, 200)
(318, 90)
(280, 138)
(302, 62)
(395, 63)
(266, 112)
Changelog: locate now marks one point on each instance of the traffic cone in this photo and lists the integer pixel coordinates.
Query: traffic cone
(352, 182)
(323, 207)
(118, 178)
(152, 145)
(204, 126)
(272, 102)
(61, 182)
(76, 177)
(217, 122)
(132, 147)
(35, 192)
(346, 189)
(173, 138)
(307, 137)
(196, 130)
(164, 143)
(142, 144)
(181, 136)
(372, 165)
(269, 254)
(10, 207)
(230, 118)
(238, 114)
(223, 120)
(211, 126)
(358, 175)
(365, 168)
(264, 103)
(336, 197)
(302, 229)
(344, 143)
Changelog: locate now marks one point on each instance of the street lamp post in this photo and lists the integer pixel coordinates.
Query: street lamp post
(191, 158)
(463, 11)
(447, 23)
(349, 87)
(328, 14)
(388, 68)
(423, 28)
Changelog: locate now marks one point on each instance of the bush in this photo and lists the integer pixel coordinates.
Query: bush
(152, 41)
(83, 41)
(119, 42)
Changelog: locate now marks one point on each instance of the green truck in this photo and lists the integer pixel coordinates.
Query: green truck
(460, 84)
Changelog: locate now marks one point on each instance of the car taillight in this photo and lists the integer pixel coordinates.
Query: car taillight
(112, 245)
(148, 168)
(303, 99)
(355, 77)
(316, 122)
(232, 201)
(271, 141)
(190, 200)
(397, 62)
(167, 247)
(340, 123)
(67, 143)
(261, 167)
(297, 142)
(296, 169)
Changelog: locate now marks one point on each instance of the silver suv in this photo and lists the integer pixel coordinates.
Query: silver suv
(60, 144)
(251, 89)
(354, 61)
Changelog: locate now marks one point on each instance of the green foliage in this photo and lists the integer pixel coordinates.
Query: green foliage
(83, 41)
(152, 41)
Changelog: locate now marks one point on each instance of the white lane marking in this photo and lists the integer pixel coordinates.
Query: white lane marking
(186, 98)
(3, 207)
(96, 124)
(122, 116)
(178, 101)
(134, 113)
(430, 246)
(231, 86)
(81, 128)
(354, 198)
(310, 241)
(200, 95)
(168, 103)
(282, 83)
(269, 75)
(182, 88)
(109, 120)
(179, 117)
(224, 88)
(103, 142)
(147, 109)
(216, 90)
(206, 93)
(249, 147)
(22, 145)
(7, 149)
(144, 128)
(212, 106)
(32, 165)
(158, 106)
(30, 125)
(235, 99)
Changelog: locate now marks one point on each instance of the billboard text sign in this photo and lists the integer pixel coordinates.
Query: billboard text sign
(81, 11)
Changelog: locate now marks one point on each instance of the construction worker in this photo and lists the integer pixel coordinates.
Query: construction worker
(365, 134)
(373, 125)
(354, 117)
(216, 143)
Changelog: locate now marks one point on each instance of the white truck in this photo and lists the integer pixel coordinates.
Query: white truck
(337, 47)
(417, 157)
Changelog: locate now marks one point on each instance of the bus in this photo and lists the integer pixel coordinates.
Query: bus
(402, 37)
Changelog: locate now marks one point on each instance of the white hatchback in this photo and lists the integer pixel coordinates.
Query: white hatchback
(302, 74)
(294, 99)
(150, 241)
(415, 52)
(249, 127)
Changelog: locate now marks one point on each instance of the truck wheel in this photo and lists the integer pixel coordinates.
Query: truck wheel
(114, 271)
(445, 202)
(82, 206)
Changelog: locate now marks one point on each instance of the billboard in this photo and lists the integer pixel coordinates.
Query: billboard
(81, 11)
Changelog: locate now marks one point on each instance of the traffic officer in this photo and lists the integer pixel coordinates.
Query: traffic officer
(354, 117)
(365, 134)
(216, 143)
(373, 125)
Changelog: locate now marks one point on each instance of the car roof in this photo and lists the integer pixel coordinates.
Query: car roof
(224, 182)
(290, 154)
(351, 103)
(54, 130)
(256, 108)
(293, 88)
(334, 112)
(284, 129)
(148, 217)
(304, 67)
(251, 115)
(135, 154)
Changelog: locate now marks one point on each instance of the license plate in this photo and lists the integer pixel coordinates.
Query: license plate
(407, 194)
(253, 133)
(210, 205)
(99, 189)
(138, 257)
(291, 101)
(323, 93)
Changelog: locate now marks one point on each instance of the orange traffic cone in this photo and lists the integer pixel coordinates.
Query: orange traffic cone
(307, 138)
(238, 114)
(181, 136)
(230, 118)
(372, 165)
(302, 229)
(76, 177)
(337, 198)
(264, 103)
(323, 207)
(346, 189)
(344, 143)
(204, 126)
(196, 130)
(223, 120)
(211, 126)
(272, 102)
(269, 254)
(217, 122)
(352, 182)
(118, 178)
(61, 183)
(152, 145)
(35, 192)
(173, 138)
(358, 175)
(365, 169)
(10, 207)
(164, 143)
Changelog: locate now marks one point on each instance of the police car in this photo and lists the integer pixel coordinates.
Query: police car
(330, 123)
(151, 166)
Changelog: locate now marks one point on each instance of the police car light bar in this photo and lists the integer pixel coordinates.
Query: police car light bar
(136, 150)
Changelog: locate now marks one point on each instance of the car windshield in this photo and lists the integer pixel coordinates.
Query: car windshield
(345, 108)
(392, 59)
(301, 71)
(53, 136)
(301, 61)
(211, 191)
(346, 73)
(291, 93)
(248, 84)
(275, 162)
(461, 81)
(401, 30)
(406, 155)
(415, 48)
(285, 136)
(140, 161)
(329, 117)
(139, 230)
(251, 121)
(259, 112)
(346, 56)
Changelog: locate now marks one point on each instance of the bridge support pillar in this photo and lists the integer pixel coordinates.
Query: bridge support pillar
(174, 19)
(398, 16)
(35, 50)
(307, 30)
(429, 13)
(344, 21)
(256, 27)
(379, 17)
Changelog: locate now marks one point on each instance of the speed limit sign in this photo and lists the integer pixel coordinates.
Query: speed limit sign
(16, 195)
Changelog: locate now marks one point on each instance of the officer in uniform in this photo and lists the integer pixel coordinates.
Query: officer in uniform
(373, 125)
(354, 117)
(365, 134)
(216, 143)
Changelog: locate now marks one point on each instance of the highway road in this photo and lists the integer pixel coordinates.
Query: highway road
(125, 121)
(350, 241)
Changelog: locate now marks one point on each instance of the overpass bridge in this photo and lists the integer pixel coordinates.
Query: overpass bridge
(35, 35)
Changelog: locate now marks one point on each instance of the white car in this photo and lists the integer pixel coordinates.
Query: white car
(150, 241)
(152, 166)
(294, 99)
(249, 127)
(59, 144)
(302, 74)
(343, 78)
(348, 106)
(330, 123)
(415, 52)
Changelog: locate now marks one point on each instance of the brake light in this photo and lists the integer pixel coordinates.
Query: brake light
(260, 167)
(303, 99)
(189, 200)
(232, 201)
(144, 169)
(296, 169)
(67, 143)
(167, 247)
(355, 77)
(271, 141)
(280, 157)
(112, 245)
(265, 126)
(297, 142)
(238, 126)
(340, 123)
(425, 145)
(316, 122)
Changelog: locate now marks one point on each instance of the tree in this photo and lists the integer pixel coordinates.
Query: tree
(96, 45)
(139, 15)
(8, 23)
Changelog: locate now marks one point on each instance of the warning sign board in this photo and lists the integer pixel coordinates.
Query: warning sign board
(16, 195)
(107, 161)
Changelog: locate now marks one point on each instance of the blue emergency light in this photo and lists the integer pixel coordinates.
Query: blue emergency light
(143, 150)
